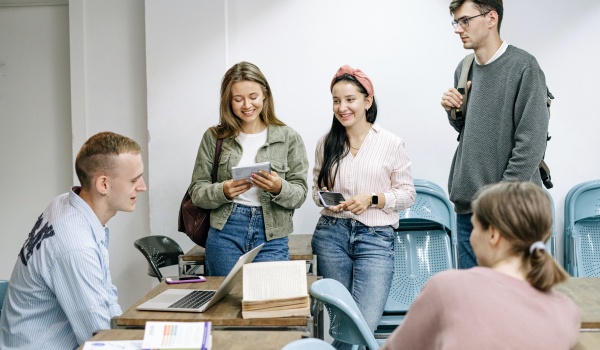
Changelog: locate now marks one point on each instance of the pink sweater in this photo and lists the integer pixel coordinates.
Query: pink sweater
(481, 308)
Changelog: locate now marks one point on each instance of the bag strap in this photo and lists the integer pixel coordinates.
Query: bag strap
(216, 161)
(459, 114)
(549, 98)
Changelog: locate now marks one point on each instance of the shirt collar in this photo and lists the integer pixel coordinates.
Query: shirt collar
(100, 232)
(376, 127)
(498, 53)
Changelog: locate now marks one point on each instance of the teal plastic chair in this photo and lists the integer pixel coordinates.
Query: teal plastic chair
(582, 230)
(432, 210)
(428, 184)
(308, 344)
(569, 258)
(422, 247)
(346, 322)
(551, 242)
(3, 288)
(159, 251)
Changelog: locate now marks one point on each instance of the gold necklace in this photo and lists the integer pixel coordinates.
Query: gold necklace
(355, 148)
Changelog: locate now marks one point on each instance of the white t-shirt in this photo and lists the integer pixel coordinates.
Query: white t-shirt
(250, 145)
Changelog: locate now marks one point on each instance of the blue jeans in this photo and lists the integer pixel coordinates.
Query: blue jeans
(466, 256)
(361, 258)
(244, 230)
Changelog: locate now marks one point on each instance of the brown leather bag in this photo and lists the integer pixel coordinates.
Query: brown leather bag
(195, 221)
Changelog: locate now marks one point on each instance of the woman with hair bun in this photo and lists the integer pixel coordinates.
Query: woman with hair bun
(507, 301)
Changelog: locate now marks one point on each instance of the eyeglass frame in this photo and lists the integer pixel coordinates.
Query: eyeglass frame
(466, 20)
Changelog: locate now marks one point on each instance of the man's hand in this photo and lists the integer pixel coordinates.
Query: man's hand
(452, 98)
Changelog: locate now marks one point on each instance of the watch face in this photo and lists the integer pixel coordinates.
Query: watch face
(375, 199)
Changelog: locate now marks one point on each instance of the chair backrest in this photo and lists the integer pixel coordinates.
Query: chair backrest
(568, 250)
(308, 344)
(428, 184)
(429, 206)
(418, 255)
(432, 210)
(159, 251)
(346, 322)
(3, 288)
(582, 229)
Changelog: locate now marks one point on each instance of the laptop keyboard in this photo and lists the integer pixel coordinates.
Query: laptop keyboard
(194, 300)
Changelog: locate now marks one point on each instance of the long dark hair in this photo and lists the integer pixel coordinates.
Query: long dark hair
(336, 145)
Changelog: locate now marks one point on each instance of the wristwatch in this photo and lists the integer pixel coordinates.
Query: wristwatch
(374, 199)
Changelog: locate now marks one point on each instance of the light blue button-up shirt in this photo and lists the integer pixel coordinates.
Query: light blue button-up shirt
(60, 290)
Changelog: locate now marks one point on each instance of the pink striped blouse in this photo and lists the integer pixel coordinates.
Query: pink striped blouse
(380, 166)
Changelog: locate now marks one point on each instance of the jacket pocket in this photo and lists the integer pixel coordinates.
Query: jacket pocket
(224, 171)
(280, 168)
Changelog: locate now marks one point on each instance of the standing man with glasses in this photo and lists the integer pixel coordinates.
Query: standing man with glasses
(503, 136)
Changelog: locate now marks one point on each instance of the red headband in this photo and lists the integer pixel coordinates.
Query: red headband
(361, 77)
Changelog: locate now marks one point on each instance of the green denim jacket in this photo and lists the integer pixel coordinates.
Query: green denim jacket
(287, 154)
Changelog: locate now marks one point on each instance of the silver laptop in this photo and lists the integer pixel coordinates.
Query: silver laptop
(195, 300)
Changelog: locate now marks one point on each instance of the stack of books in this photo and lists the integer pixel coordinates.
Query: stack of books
(275, 289)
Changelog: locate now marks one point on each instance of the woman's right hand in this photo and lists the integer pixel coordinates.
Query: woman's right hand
(232, 189)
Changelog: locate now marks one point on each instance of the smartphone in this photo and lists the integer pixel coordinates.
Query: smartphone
(330, 199)
(185, 279)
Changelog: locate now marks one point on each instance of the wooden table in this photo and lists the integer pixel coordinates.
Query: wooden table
(588, 341)
(226, 314)
(585, 292)
(222, 340)
(299, 244)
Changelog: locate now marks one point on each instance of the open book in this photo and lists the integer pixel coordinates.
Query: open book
(177, 335)
(275, 289)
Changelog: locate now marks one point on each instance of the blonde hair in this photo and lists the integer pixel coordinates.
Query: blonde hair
(98, 155)
(522, 212)
(231, 125)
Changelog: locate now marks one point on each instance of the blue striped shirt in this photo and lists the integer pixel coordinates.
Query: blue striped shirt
(60, 290)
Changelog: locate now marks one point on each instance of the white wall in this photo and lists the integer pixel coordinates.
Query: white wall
(35, 121)
(407, 48)
(66, 73)
(298, 45)
(108, 80)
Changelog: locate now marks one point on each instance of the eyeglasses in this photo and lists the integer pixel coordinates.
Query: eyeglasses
(464, 22)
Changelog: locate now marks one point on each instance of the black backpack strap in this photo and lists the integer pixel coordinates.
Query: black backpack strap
(544, 169)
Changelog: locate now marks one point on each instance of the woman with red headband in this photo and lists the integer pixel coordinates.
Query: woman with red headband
(354, 240)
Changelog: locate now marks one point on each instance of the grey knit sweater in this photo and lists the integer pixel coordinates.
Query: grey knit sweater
(504, 137)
